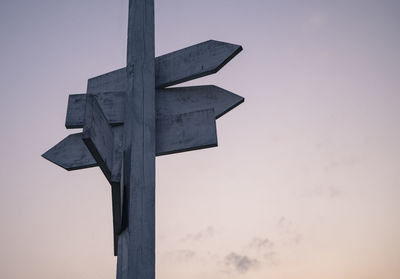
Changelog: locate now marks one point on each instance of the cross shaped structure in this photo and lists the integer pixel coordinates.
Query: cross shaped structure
(129, 117)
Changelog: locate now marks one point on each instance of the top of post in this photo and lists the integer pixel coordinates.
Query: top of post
(140, 34)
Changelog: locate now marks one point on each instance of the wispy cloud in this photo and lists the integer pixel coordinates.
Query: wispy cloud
(240, 263)
(206, 233)
(182, 255)
(261, 243)
(266, 248)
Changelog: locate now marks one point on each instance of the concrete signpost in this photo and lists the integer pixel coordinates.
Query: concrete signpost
(129, 117)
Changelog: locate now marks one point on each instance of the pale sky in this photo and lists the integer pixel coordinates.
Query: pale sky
(305, 182)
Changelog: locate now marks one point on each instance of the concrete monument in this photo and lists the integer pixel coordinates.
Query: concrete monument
(129, 117)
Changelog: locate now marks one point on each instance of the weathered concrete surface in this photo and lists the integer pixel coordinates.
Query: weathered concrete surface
(185, 132)
(75, 111)
(109, 82)
(118, 134)
(71, 154)
(139, 145)
(117, 212)
(193, 62)
(112, 104)
(180, 100)
(169, 101)
(105, 145)
(122, 261)
(173, 68)
(98, 136)
(116, 187)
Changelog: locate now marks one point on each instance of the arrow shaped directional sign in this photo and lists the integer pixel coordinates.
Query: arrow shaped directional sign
(71, 154)
(169, 101)
(128, 117)
(186, 99)
(173, 68)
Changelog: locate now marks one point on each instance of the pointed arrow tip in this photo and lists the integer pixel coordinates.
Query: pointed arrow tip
(70, 154)
(51, 155)
(230, 101)
(233, 50)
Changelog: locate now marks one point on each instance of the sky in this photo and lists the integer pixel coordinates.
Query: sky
(305, 182)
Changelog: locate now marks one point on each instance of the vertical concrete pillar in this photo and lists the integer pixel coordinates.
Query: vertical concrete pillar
(139, 147)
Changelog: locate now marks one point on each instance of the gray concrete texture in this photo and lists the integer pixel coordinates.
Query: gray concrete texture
(186, 131)
(105, 145)
(139, 146)
(112, 104)
(71, 154)
(98, 135)
(169, 101)
(173, 68)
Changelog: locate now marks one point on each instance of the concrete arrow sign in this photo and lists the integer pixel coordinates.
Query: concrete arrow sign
(176, 67)
(71, 154)
(193, 62)
(187, 99)
(169, 101)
